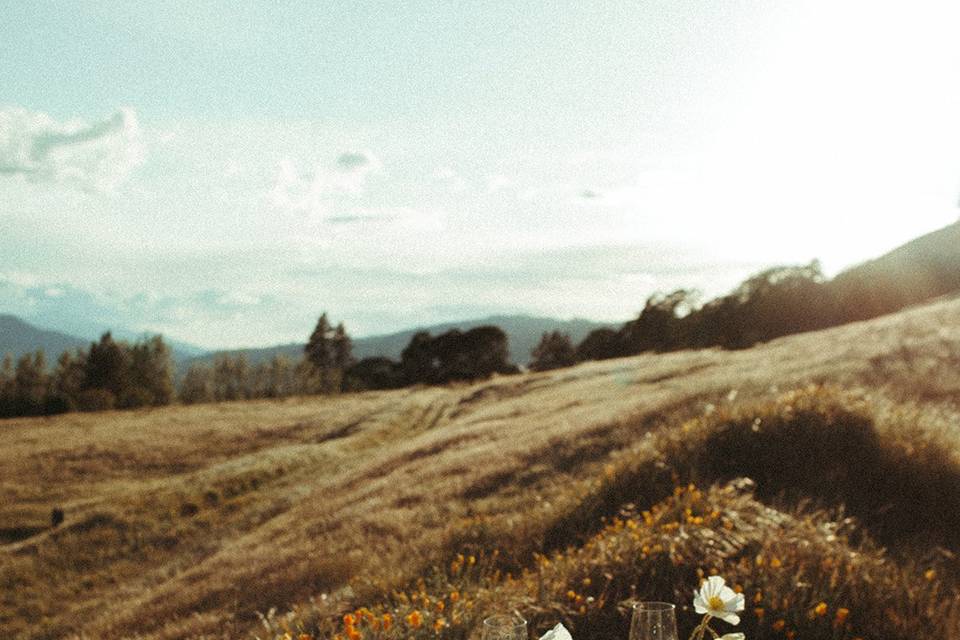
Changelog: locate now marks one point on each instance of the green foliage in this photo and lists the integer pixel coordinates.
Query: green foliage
(111, 375)
(197, 385)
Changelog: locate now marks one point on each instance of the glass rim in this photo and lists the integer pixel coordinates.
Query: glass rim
(654, 606)
(505, 619)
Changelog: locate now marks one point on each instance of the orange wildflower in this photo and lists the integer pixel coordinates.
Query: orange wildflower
(387, 621)
(414, 619)
(841, 616)
(454, 596)
(779, 625)
(821, 609)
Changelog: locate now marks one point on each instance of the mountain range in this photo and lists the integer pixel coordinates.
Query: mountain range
(924, 268)
(18, 337)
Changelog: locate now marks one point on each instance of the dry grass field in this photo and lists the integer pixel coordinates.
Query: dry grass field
(562, 495)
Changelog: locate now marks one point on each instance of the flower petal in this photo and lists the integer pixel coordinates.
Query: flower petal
(714, 586)
(733, 636)
(726, 616)
(699, 604)
(559, 632)
(737, 604)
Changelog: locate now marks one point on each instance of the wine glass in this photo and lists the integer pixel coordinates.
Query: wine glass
(504, 627)
(653, 621)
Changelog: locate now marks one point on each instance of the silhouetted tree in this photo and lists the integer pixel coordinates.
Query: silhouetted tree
(455, 355)
(7, 387)
(773, 303)
(418, 361)
(374, 373)
(659, 326)
(318, 350)
(554, 350)
(107, 370)
(601, 344)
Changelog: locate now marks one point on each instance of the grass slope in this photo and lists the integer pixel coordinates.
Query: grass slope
(188, 521)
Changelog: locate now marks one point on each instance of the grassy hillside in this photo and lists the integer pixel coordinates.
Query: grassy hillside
(570, 491)
(918, 271)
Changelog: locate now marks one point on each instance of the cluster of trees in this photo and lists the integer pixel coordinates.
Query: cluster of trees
(775, 302)
(326, 359)
(111, 374)
(452, 356)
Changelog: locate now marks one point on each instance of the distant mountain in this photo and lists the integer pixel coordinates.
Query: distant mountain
(18, 337)
(524, 333)
(922, 269)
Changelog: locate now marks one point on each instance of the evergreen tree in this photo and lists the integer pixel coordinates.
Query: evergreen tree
(230, 378)
(108, 368)
(281, 377)
(341, 347)
(31, 384)
(7, 389)
(197, 385)
(318, 350)
(151, 373)
(68, 378)
(554, 350)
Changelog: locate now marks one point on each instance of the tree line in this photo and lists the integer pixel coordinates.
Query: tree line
(110, 374)
(326, 358)
(773, 303)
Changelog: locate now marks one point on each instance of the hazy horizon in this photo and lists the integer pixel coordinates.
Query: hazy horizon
(223, 173)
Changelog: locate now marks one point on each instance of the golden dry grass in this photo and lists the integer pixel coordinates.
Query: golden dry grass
(188, 521)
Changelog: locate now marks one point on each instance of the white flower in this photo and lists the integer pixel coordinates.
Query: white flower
(559, 632)
(733, 636)
(718, 600)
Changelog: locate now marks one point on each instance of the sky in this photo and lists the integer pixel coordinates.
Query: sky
(222, 172)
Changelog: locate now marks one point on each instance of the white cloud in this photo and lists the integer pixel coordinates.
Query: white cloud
(450, 179)
(498, 182)
(312, 190)
(354, 169)
(96, 156)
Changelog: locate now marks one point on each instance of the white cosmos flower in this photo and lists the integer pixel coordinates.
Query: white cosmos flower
(559, 632)
(718, 600)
